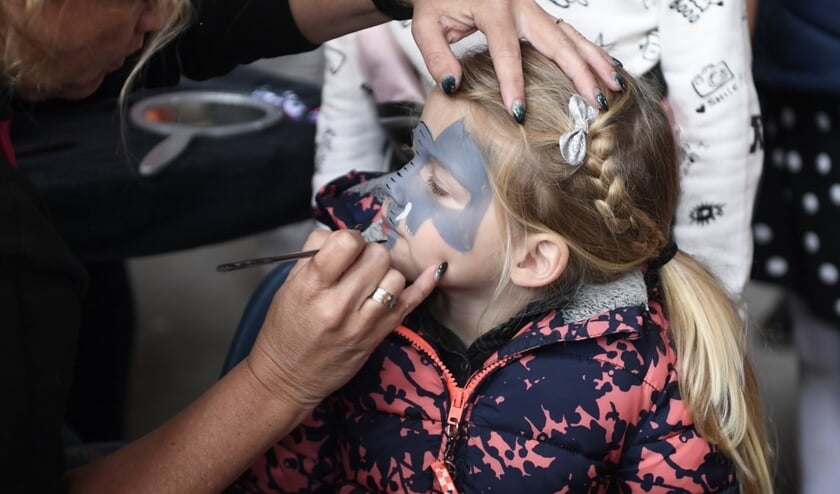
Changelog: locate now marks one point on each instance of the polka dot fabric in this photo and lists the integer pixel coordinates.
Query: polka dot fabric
(797, 214)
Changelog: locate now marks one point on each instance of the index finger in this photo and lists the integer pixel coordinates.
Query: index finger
(338, 251)
(503, 45)
(575, 55)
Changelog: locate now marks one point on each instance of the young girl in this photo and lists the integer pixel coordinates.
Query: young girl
(570, 347)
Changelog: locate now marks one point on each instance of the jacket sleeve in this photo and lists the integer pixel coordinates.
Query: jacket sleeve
(706, 62)
(224, 34)
(347, 201)
(348, 136)
(302, 462)
(667, 454)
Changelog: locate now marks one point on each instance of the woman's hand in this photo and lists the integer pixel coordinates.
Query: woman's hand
(437, 23)
(323, 324)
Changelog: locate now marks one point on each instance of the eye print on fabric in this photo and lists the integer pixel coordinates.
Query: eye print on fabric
(416, 197)
(703, 214)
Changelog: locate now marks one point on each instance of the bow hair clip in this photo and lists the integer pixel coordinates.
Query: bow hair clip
(573, 142)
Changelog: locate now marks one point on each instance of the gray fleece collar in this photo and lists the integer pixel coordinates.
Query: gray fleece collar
(629, 290)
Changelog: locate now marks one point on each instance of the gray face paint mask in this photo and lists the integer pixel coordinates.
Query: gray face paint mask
(413, 201)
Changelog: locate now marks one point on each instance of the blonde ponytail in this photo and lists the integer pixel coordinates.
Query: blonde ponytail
(717, 380)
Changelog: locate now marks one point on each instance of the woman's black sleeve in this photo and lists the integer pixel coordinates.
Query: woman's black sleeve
(226, 33)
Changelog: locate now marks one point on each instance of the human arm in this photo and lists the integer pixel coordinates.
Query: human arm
(437, 23)
(319, 330)
(711, 93)
(226, 33)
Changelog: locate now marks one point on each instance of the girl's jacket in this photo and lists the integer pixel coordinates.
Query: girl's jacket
(583, 397)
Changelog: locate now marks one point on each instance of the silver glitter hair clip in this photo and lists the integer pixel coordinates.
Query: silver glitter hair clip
(573, 142)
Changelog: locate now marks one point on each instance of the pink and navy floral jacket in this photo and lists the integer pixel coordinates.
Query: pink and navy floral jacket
(576, 394)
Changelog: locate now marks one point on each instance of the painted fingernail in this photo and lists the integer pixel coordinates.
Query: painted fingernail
(518, 111)
(439, 272)
(601, 99)
(448, 84)
(619, 80)
(617, 62)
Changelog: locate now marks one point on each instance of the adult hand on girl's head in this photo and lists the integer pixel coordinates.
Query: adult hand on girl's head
(437, 23)
(323, 324)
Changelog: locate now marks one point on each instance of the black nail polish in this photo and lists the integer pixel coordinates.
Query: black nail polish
(439, 272)
(619, 80)
(448, 84)
(601, 99)
(617, 62)
(518, 111)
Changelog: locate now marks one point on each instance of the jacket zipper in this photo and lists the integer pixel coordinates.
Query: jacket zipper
(444, 466)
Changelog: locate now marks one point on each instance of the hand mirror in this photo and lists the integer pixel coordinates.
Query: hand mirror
(187, 114)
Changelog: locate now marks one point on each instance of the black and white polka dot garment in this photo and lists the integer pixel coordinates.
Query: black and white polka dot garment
(796, 224)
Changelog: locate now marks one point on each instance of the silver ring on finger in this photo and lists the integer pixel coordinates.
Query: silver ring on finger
(384, 297)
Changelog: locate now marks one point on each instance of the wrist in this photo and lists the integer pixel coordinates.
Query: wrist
(278, 390)
(398, 10)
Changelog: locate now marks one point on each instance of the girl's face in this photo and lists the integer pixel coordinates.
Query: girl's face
(78, 42)
(440, 206)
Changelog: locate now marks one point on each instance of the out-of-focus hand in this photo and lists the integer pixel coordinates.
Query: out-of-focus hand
(323, 324)
(437, 23)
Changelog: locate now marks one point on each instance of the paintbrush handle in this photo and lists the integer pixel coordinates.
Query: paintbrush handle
(247, 263)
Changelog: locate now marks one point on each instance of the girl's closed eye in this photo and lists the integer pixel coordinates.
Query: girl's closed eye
(435, 188)
(445, 189)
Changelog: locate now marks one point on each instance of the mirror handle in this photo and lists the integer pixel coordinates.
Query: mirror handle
(164, 152)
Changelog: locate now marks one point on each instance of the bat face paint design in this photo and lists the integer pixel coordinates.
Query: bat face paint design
(415, 196)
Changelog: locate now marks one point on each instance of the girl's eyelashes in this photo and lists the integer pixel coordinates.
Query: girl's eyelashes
(435, 188)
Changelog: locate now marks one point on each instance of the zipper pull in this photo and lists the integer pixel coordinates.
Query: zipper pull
(442, 478)
(444, 467)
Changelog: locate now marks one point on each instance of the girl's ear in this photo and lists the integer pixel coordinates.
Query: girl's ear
(540, 261)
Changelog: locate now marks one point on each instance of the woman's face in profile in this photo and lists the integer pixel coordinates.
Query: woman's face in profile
(75, 43)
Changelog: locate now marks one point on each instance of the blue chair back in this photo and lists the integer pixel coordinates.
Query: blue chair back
(254, 315)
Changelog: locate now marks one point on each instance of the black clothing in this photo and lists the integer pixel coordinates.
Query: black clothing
(42, 284)
(41, 290)
(795, 226)
(223, 35)
(218, 190)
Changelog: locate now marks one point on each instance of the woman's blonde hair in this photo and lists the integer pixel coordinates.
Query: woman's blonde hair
(24, 62)
(615, 211)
